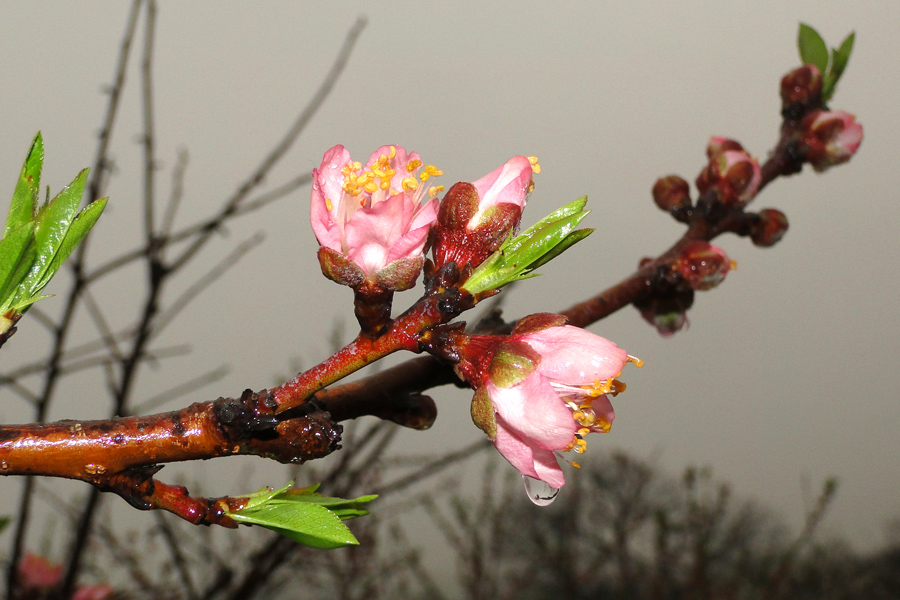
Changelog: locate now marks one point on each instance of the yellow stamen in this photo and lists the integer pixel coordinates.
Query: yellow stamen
(575, 464)
(435, 190)
(634, 359)
(430, 171)
(329, 204)
(535, 167)
(413, 165)
(410, 184)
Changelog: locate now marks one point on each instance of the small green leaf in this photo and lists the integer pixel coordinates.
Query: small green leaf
(79, 228)
(15, 259)
(303, 515)
(567, 210)
(306, 523)
(4, 521)
(813, 50)
(842, 55)
(25, 197)
(51, 226)
(567, 242)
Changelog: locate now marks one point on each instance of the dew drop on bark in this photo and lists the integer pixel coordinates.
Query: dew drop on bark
(539, 492)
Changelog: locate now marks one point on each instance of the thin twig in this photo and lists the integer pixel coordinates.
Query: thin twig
(52, 364)
(286, 142)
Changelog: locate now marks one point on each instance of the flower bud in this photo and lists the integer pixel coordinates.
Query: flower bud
(731, 171)
(667, 310)
(702, 265)
(801, 88)
(769, 228)
(673, 195)
(831, 138)
(476, 218)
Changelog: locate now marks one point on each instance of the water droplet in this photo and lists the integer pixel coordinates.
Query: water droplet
(539, 491)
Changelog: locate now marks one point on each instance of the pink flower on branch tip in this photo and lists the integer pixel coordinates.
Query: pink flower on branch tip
(370, 219)
(542, 390)
(476, 218)
(831, 137)
(37, 573)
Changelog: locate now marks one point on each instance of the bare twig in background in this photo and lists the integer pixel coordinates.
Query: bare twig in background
(52, 364)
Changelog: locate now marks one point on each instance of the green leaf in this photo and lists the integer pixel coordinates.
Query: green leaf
(79, 228)
(15, 260)
(813, 50)
(569, 209)
(4, 521)
(303, 515)
(25, 197)
(51, 226)
(306, 523)
(567, 242)
(839, 59)
(518, 257)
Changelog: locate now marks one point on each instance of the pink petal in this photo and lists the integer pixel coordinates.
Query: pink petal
(508, 183)
(372, 232)
(527, 459)
(575, 356)
(534, 411)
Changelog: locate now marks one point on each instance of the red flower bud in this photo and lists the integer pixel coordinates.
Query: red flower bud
(770, 228)
(702, 265)
(474, 219)
(801, 88)
(731, 171)
(673, 195)
(831, 137)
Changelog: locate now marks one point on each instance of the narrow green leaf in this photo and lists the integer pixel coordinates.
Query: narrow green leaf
(51, 226)
(79, 228)
(25, 197)
(565, 211)
(841, 56)
(4, 521)
(567, 242)
(306, 523)
(813, 50)
(15, 260)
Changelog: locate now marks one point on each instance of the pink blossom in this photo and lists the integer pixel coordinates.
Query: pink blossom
(832, 137)
(38, 573)
(373, 215)
(507, 184)
(558, 396)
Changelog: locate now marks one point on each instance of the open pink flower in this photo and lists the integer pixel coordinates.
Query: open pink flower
(546, 388)
(373, 215)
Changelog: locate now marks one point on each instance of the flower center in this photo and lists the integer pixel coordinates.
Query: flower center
(580, 399)
(373, 184)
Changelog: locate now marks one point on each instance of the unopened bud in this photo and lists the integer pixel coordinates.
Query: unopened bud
(731, 171)
(831, 137)
(801, 88)
(770, 228)
(673, 195)
(702, 265)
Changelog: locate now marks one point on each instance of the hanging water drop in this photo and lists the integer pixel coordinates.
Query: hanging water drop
(539, 492)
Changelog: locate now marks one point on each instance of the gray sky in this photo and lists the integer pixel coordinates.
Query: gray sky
(787, 373)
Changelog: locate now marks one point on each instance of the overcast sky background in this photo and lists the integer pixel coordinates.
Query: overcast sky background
(788, 372)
